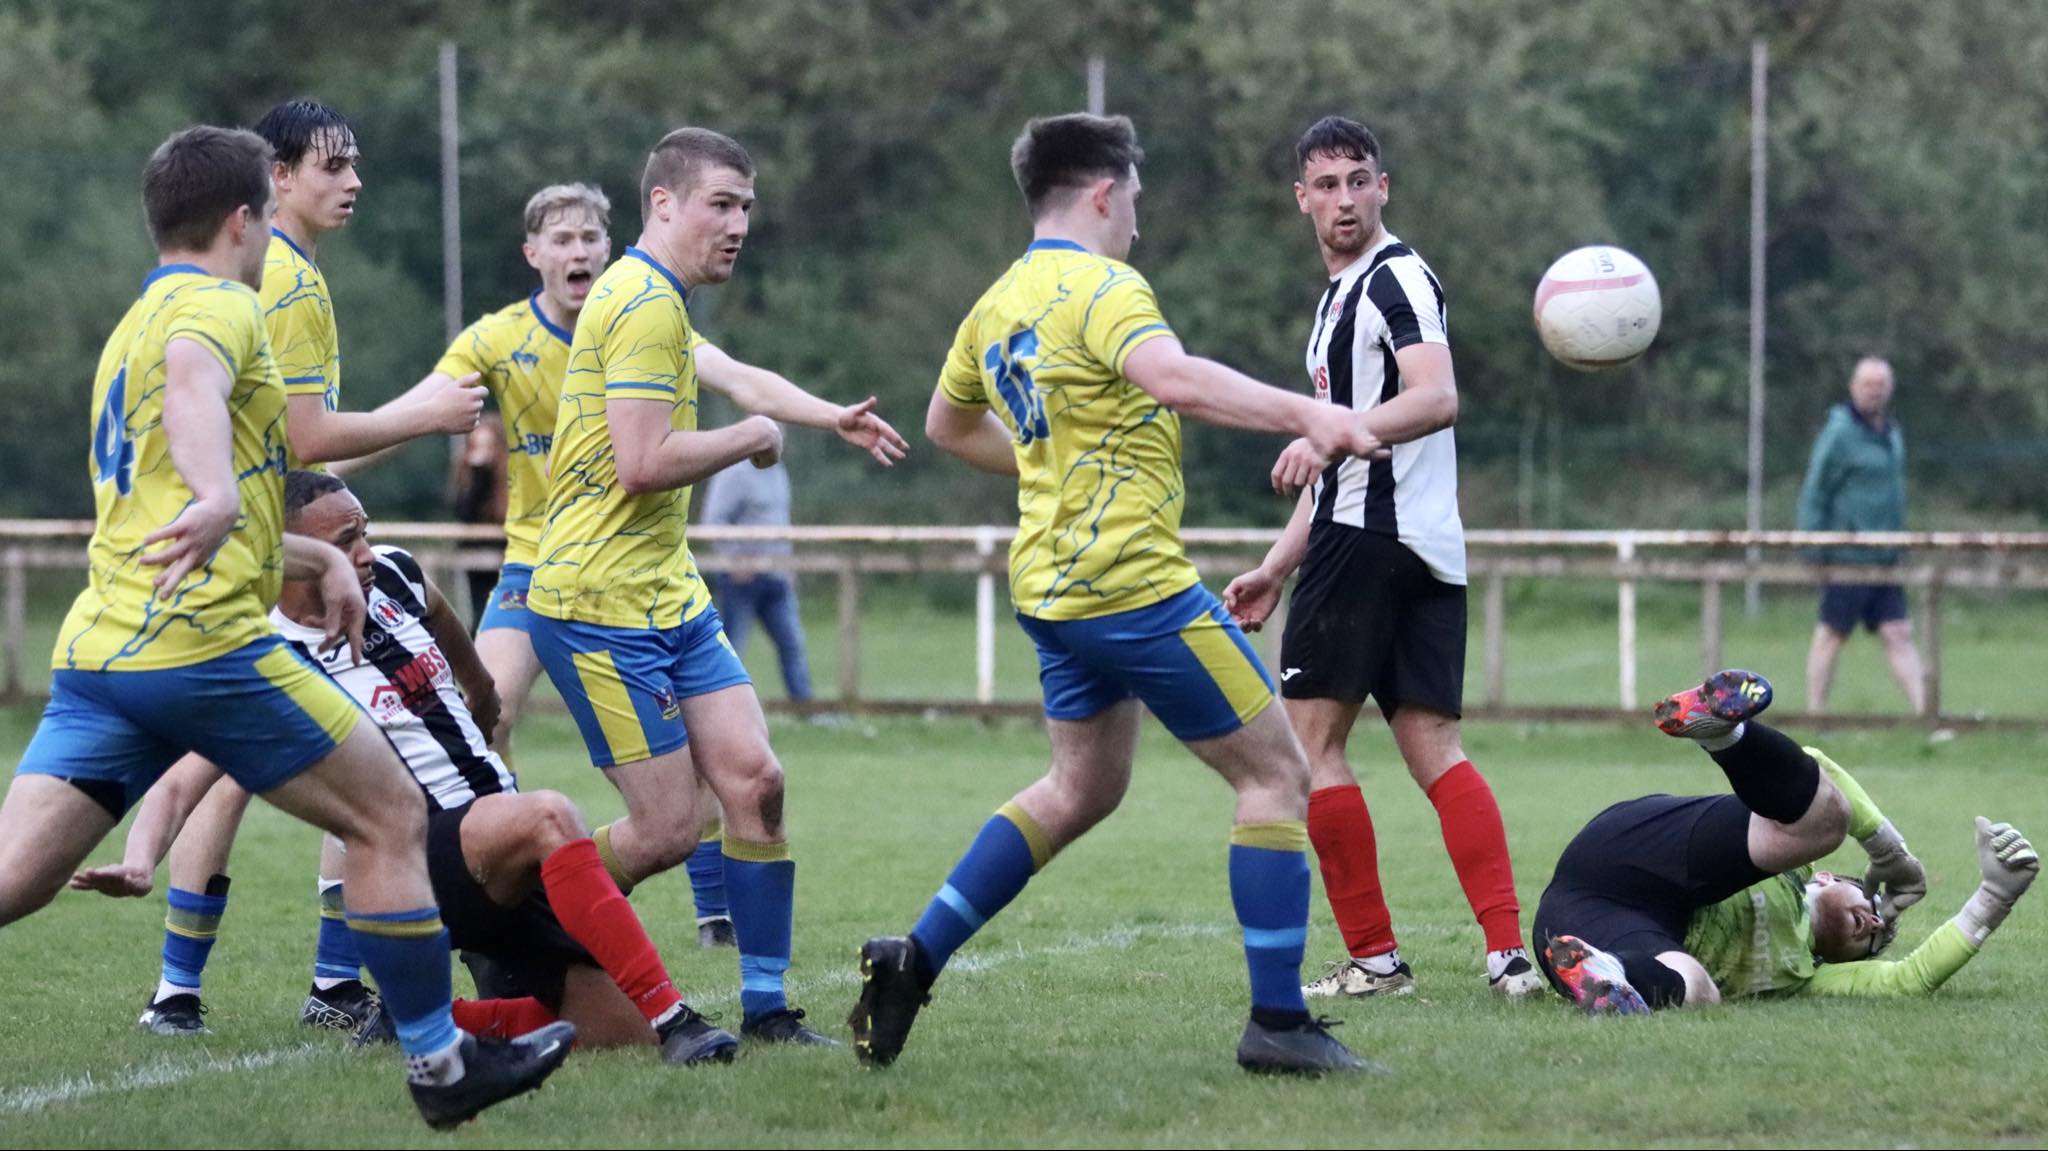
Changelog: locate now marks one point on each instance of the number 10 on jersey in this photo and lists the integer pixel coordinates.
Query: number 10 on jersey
(1004, 362)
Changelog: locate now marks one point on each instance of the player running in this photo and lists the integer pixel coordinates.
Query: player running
(1681, 900)
(516, 874)
(619, 616)
(1067, 376)
(1380, 606)
(169, 651)
(316, 182)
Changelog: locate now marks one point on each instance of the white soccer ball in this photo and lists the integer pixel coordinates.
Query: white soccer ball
(1597, 307)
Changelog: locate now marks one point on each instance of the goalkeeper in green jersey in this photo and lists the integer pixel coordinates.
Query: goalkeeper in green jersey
(1672, 900)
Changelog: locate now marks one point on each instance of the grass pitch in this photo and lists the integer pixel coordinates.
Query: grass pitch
(1102, 1008)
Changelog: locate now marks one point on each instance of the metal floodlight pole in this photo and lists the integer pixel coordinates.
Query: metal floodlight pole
(1097, 80)
(1759, 72)
(451, 197)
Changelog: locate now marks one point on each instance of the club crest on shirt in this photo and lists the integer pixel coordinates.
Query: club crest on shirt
(387, 613)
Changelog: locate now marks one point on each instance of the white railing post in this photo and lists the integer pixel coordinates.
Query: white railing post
(1625, 551)
(985, 618)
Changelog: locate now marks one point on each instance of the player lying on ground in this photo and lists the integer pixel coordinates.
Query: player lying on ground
(517, 876)
(1067, 376)
(1671, 900)
(168, 650)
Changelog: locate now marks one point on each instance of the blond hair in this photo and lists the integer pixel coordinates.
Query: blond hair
(559, 198)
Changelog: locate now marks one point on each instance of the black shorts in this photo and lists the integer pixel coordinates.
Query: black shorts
(1843, 606)
(525, 944)
(1368, 619)
(1632, 878)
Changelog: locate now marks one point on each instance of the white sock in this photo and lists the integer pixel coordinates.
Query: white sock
(329, 983)
(165, 989)
(1382, 964)
(665, 1016)
(1723, 742)
(436, 1067)
(1497, 961)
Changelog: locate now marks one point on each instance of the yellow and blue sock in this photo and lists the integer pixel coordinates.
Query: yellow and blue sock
(1008, 851)
(760, 878)
(407, 953)
(190, 928)
(1269, 889)
(335, 959)
(706, 866)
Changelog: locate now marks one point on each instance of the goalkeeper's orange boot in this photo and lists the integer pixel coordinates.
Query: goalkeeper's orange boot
(1714, 708)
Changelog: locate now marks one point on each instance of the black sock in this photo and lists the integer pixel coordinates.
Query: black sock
(1771, 774)
(1658, 985)
(1278, 1018)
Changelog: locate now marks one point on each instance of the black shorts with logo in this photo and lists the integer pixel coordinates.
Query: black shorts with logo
(1368, 619)
(527, 947)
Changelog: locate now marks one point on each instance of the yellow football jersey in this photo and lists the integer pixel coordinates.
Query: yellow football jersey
(608, 556)
(299, 315)
(116, 624)
(521, 355)
(1099, 487)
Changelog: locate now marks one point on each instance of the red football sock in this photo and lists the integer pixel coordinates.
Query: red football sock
(501, 1018)
(587, 901)
(1341, 829)
(1478, 844)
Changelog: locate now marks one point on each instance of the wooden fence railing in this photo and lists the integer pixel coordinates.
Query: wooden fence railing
(1711, 560)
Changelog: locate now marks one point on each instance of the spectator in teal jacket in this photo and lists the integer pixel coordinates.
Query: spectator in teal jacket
(1856, 482)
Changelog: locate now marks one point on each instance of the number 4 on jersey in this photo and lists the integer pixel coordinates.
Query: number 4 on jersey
(113, 454)
(1004, 362)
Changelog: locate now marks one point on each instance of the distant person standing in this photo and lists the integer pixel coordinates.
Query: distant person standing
(1856, 482)
(758, 497)
(478, 491)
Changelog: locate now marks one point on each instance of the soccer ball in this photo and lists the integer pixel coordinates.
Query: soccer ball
(1597, 307)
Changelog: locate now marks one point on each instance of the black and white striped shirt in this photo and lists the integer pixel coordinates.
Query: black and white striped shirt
(1386, 300)
(407, 687)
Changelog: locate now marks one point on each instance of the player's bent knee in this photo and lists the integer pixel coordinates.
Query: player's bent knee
(554, 821)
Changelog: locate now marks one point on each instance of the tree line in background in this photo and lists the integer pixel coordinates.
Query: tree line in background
(1908, 210)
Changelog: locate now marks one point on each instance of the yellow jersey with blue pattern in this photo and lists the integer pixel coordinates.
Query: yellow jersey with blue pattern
(1099, 487)
(117, 623)
(521, 355)
(608, 556)
(299, 315)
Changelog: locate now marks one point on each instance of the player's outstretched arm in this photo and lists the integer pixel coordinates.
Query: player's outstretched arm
(479, 691)
(2007, 864)
(1251, 597)
(201, 439)
(425, 401)
(651, 456)
(319, 436)
(765, 393)
(157, 823)
(973, 434)
(1202, 389)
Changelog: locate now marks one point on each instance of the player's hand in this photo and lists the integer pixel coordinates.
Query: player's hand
(455, 409)
(193, 538)
(768, 434)
(342, 610)
(1893, 871)
(485, 706)
(119, 880)
(858, 425)
(1298, 466)
(2006, 860)
(1251, 598)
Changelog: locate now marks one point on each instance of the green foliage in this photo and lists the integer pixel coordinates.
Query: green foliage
(1907, 165)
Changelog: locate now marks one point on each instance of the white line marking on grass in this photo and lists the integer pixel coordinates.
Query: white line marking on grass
(168, 1072)
(1112, 939)
(162, 1073)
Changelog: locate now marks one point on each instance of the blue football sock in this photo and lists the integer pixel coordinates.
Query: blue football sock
(407, 952)
(706, 866)
(761, 880)
(1269, 888)
(335, 958)
(190, 928)
(1002, 859)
